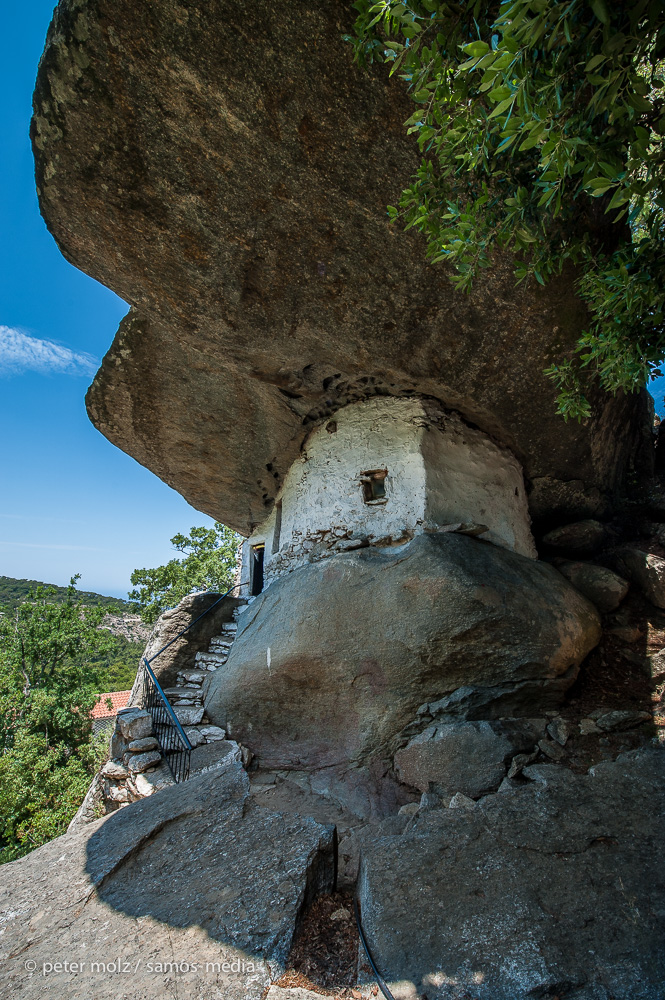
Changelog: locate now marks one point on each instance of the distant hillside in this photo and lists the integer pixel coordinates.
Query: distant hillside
(13, 591)
(131, 634)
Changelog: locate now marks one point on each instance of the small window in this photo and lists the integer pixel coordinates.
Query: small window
(257, 555)
(374, 485)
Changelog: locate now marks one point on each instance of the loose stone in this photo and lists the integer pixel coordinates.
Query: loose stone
(113, 769)
(142, 746)
(551, 750)
(142, 761)
(621, 719)
(559, 730)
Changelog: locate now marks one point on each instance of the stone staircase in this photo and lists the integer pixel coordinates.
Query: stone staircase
(187, 697)
(136, 768)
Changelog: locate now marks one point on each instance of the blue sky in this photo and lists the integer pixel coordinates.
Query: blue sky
(69, 501)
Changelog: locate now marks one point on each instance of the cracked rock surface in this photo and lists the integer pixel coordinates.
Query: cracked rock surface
(195, 875)
(554, 888)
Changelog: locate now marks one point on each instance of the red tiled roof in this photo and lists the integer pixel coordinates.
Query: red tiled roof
(119, 700)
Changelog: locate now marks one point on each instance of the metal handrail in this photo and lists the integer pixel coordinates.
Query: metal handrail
(172, 739)
(383, 986)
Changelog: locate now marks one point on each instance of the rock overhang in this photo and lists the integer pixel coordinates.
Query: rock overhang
(225, 168)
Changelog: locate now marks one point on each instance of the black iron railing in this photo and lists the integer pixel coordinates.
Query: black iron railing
(172, 739)
(383, 986)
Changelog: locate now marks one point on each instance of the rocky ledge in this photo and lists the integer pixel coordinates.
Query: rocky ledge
(194, 885)
(550, 887)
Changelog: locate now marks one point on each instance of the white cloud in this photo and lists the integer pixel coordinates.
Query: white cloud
(21, 353)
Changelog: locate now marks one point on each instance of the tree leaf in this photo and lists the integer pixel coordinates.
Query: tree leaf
(476, 49)
(599, 8)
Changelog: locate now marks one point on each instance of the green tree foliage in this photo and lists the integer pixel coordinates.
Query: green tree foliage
(117, 667)
(209, 563)
(48, 687)
(41, 787)
(116, 664)
(542, 129)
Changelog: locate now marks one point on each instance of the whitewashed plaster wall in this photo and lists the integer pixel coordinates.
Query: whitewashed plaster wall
(324, 489)
(470, 478)
(439, 471)
(322, 493)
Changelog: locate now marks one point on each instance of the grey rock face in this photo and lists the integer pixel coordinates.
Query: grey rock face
(581, 538)
(647, 571)
(401, 627)
(516, 698)
(467, 757)
(603, 587)
(545, 890)
(244, 220)
(194, 874)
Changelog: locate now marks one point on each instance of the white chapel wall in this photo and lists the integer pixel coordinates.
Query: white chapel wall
(438, 471)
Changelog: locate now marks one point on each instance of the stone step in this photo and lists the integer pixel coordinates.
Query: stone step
(204, 732)
(219, 643)
(209, 756)
(214, 655)
(188, 715)
(229, 627)
(184, 696)
(210, 661)
(188, 677)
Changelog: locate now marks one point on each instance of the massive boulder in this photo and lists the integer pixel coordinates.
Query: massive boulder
(549, 890)
(334, 659)
(225, 168)
(193, 892)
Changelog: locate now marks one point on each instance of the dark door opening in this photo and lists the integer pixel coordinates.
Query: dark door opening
(278, 527)
(256, 569)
